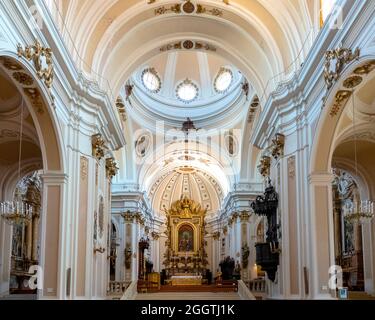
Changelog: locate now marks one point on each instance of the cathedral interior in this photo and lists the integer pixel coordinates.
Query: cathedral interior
(157, 149)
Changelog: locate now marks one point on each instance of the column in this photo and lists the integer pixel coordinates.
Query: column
(245, 241)
(322, 237)
(52, 236)
(135, 249)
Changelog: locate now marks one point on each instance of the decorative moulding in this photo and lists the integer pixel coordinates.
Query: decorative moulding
(36, 53)
(188, 45)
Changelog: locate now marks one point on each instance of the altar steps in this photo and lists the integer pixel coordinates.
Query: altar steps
(201, 288)
(208, 296)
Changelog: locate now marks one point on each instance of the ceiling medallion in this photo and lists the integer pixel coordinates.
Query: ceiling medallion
(187, 45)
(23, 78)
(341, 98)
(366, 68)
(188, 8)
(352, 82)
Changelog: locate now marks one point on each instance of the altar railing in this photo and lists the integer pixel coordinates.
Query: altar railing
(257, 285)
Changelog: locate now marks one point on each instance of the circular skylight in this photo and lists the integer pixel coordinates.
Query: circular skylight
(223, 80)
(151, 80)
(187, 91)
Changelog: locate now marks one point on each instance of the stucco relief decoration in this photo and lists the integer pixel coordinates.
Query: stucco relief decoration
(188, 8)
(342, 96)
(120, 105)
(42, 60)
(254, 106)
(142, 145)
(35, 99)
(95, 227)
(231, 144)
(101, 218)
(10, 64)
(265, 166)
(366, 68)
(352, 82)
(216, 235)
(98, 146)
(335, 62)
(292, 167)
(188, 45)
(23, 78)
(111, 167)
(278, 144)
(84, 168)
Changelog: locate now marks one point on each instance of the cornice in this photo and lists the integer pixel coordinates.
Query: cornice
(308, 83)
(68, 80)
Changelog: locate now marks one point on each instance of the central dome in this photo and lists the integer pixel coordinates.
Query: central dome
(187, 83)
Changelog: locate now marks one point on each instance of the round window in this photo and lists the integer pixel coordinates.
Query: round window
(223, 80)
(187, 91)
(151, 80)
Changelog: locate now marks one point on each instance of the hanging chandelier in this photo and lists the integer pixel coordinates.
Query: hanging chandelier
(358, 211)
(17, 211)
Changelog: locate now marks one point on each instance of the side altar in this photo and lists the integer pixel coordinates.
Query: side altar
(185, 259)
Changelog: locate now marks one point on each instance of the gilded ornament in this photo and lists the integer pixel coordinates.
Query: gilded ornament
(120, 105)
(98, 146)
(23, 78)
(341, 98)
(111, 167)
(10, 64)
(366, 68)
(278, 146)
(216, 235)
(245, 216)
(35, 99)
(352, 82)
(265, 166)
(335, 62)
(35, 53)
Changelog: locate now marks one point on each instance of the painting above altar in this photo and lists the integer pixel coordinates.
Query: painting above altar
(186, 238)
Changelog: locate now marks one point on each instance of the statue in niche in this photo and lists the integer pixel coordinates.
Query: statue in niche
(186, 239)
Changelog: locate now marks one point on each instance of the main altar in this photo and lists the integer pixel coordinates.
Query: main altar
(185, 259)
(186, 280)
